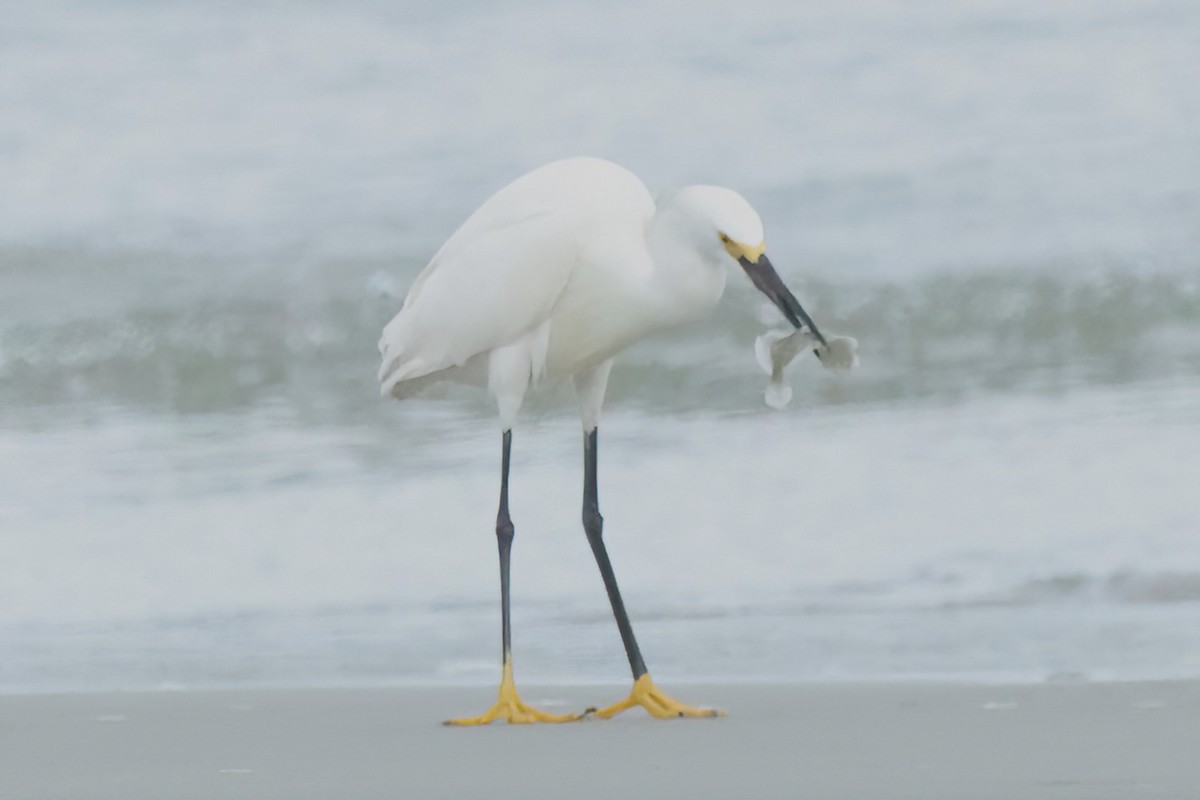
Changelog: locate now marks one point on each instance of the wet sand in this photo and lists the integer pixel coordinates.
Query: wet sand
(926, 741)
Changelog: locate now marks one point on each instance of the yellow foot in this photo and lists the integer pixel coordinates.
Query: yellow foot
(511, 709)
(651, 698)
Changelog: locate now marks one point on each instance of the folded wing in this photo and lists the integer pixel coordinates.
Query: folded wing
(495, 280)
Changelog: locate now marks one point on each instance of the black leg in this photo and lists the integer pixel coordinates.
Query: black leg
(593, 525)
(508, 704)
(504, 537)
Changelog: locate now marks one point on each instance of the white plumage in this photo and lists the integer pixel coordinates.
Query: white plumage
(556, 273)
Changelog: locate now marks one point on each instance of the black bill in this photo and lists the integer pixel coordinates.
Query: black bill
(769, 283)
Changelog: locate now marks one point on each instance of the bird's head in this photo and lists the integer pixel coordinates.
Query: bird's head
(725, 226)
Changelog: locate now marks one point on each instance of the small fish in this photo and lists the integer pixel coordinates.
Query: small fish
(774, 350)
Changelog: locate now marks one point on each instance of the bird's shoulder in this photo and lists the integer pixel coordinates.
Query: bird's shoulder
(537, 228)
(584, 189)
(502, 245)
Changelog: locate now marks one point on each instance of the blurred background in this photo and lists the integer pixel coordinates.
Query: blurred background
(210, 209)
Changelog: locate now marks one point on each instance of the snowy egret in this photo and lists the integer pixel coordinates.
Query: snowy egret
(551, 277)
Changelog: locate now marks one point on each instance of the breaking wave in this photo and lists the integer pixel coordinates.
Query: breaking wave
(162, 335)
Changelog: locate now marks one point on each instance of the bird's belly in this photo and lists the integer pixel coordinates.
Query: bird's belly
(575, 348)
(587, 329)
(584, 337)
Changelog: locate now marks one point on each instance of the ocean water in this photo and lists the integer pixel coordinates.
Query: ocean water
(210, 211)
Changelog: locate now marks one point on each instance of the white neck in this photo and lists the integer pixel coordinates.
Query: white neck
(688, 278)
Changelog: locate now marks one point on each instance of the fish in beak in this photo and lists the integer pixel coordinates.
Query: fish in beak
(767, 280)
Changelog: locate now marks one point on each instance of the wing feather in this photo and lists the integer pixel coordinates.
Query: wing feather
(495, 280)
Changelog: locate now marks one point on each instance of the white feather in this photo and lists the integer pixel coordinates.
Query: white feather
(555, 274)
(500, 277)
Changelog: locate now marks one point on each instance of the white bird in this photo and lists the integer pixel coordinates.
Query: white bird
(551, 277)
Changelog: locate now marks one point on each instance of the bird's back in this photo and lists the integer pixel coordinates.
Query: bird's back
(589, 191)
(499, 277)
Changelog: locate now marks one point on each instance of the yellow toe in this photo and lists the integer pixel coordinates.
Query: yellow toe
(516, 713)
(656, 703)
(510, 708)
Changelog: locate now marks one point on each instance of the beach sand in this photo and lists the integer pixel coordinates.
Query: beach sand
(918, 740)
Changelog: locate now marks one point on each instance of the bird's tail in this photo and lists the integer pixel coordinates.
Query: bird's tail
(394, 363)
(402, 371)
